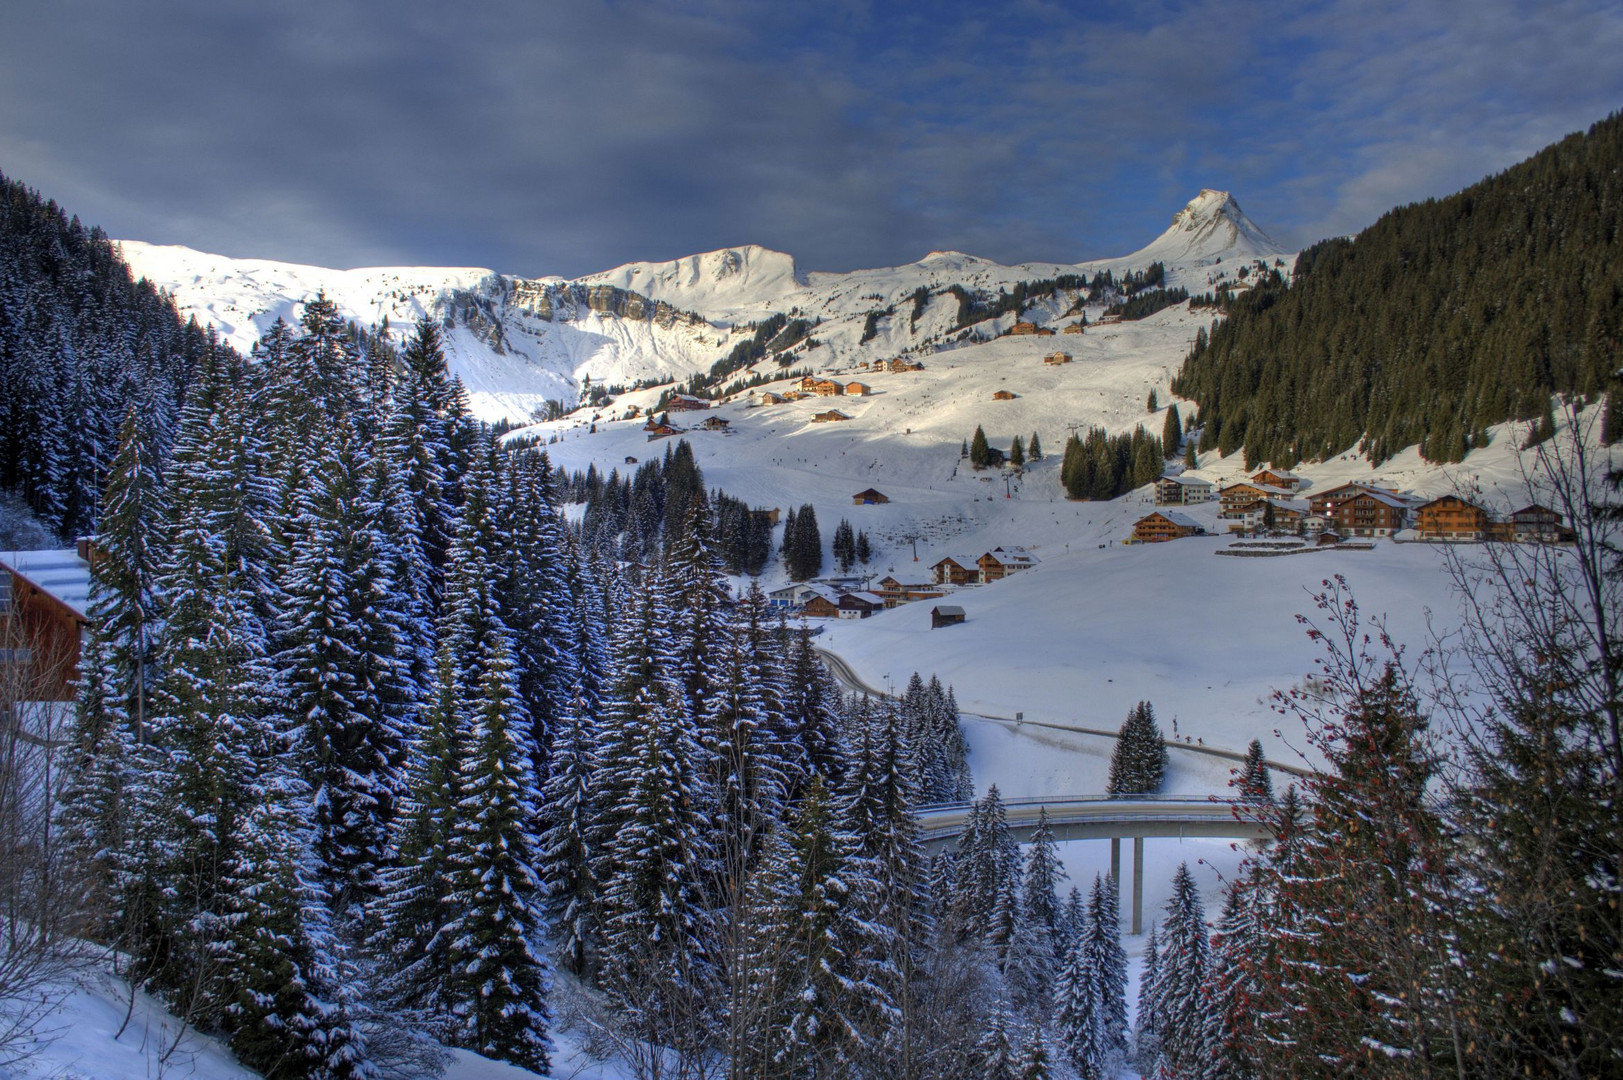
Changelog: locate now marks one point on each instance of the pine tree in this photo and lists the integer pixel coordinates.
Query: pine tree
(1078, 1015)
(1138, 763)
(980, 454)
(1033, 1063)
(1017, 454)
(1150, 403)
(1189, 459)
(496, 950)
(1180, 1005)
(1147, 1031)
(1034, 449)
(864, 548)
(1253, 781)
(1102, 940)
(1171, 432)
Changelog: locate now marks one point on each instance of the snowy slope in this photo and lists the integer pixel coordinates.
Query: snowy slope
(517, 342)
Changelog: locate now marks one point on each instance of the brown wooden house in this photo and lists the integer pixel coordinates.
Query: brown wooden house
(1278, 478)
(44, 597)
(833, 416)
(1057, 358)
(954, 570)
(1369, 513)
(999, 563)
(829, 388)
(856, 389)
(1022, 329)
(686, 403)
(945, 615)
(860, 605)
(870, 497)
(1236, 497)
(808, 383)
(1451, 518)
(715, 423)
(1164, 525)
(1075, 328)
(818, 606)
(1537, 524)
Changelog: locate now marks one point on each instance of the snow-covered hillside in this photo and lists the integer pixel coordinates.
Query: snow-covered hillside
(517, 342)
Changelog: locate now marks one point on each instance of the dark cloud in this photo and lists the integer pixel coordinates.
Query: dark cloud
(565, 138)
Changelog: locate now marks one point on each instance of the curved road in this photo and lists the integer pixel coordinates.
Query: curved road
(844, 675)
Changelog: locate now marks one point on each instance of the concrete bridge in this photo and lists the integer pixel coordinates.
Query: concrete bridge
(1103, 818)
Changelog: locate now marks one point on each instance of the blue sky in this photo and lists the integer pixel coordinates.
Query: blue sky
(541, 137)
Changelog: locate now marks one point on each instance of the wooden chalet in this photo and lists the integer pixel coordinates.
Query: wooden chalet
(1537, 524)
(833, 416)
(44, 600)
(819, 606)
(878, 365)
(1075, 328)
(1451, 518)
(661, 431)
(808, 384)
(1105, 320)
(1369, 513)
(1057, 358)
(1236, 497)
(686, 403)
(1278, 478)
(1004, 395)
(945, 615)
(898, 365)
(860, 605)
(954, 570)
(870, 497)
(770, 398)
(829, 388)
(999, 563)
(1277, 514)
(715, 423)
(630, 460)
(1323, 501)
(894, 590)
(1164, 525)
(856, 389)
(1022, 329)
(793, 395)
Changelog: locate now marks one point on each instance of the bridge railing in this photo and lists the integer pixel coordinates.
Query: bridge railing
(1082, 800)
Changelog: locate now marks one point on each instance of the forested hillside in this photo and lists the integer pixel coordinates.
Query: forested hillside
(1442, 318)
(80, 342)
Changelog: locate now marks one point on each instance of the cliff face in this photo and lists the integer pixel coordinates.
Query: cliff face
(551, 300)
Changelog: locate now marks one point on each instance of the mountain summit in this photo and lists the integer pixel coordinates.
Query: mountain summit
(1210, 226)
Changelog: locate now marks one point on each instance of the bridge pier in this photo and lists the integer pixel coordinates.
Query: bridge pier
(1115, 862)
(1138, 882)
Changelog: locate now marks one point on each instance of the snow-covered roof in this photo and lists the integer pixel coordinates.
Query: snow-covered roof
(947, 609)
(1183, 521)
(1266, 489)
(58, 572)
(1191, 481)
(865, 597)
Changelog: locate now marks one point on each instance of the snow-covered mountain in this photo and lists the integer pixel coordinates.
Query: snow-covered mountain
(517, 342)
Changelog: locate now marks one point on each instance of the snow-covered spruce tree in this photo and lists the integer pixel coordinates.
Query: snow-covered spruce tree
(696, 598)
(1034, 1062)
(829, 995)
(999, 1058)
(1252, 780)
(496, 930)
(565, 852)
(284, 986)
(1073, 919)
(1180, 984)
(1044, 872)
(878, 801)
(342, 675)
(811, 708)
(130, 543)
(1079, 1021)
(655, 850)
(418, 441)
(1138, 763)
(987, 858)
(1147, 1023)
(1102, 940)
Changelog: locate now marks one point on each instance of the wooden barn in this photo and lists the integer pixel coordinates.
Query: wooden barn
(829, 388)
(945, 615)
(715, 423)
(1057, 357)
(1278, 478)
(1075, 328)
(860, 605)
(1004, 395)
(870, 497)
(686, 403)
(833, 416)
(856, 389)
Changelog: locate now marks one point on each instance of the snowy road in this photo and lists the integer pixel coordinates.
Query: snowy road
(846, 677)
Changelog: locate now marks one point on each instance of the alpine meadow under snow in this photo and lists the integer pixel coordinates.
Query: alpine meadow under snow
(489, 676)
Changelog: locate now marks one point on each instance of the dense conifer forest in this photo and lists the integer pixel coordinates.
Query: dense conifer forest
(1441, 319)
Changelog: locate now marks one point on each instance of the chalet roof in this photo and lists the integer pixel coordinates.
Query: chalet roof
(1011, 556)
(871, 599)
(963, 561)
(1536, 510)
(827, 592)
(946, 609)
(908, 583)
(1183, 521)
(1450, 498)
(1283, 474)
(59, 573)
(1396, 502)
(1189, 481)
(868, 491)
(1266, 489)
